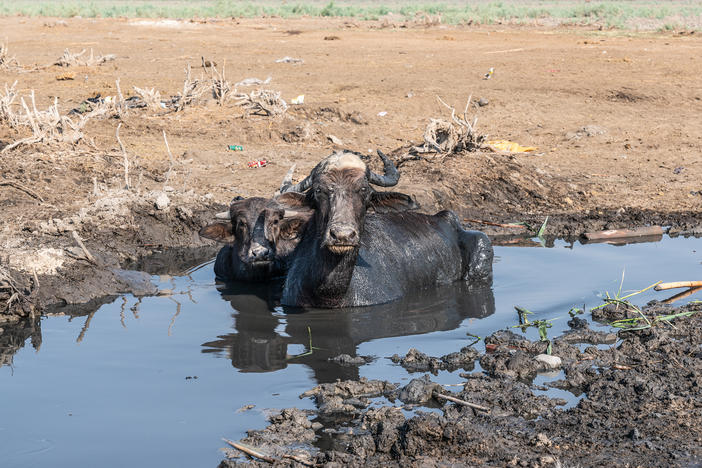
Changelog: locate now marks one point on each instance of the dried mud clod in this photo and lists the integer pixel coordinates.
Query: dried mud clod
(347, 396)
(416, 361)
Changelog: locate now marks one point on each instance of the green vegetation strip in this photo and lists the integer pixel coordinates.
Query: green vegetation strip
(615, 13)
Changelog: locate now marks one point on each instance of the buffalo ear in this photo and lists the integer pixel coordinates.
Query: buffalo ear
(220, 232)
(292, 200)
(383, 202)
(292, 228)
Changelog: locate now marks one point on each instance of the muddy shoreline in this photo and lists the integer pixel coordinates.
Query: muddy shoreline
(638, 405)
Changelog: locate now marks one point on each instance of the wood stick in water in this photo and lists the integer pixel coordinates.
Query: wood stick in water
(490, 223)
(621, 233)
(678, 284)
(251, 451)
(461, 402)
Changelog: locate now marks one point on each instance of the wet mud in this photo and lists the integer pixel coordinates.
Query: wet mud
(639, 406)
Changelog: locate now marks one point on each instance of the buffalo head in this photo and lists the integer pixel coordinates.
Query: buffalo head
(339, 190)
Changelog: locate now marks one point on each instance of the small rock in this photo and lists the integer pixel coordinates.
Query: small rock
(482, 102)
(162, 201)
(554, 362)
(568, 201)
(419, 390)
(634, 434)
(547, 459)
(335, 140)
(347, 360)
(168, 188)
(184, 213)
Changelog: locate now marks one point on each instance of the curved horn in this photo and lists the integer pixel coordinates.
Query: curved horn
(287, 180)
(391, 176)
(301, 186)
(223, 215)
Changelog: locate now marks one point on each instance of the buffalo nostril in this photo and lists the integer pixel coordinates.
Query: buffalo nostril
(260, 253)
(343, 234)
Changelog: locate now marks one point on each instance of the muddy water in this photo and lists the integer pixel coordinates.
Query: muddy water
(161, 380)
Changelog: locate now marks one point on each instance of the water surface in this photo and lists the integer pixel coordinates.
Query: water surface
(160, 380)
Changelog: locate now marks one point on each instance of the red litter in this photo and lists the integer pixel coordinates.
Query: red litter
(261, 163)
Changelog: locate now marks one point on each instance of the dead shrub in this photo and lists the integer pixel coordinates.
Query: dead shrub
(71, 60)
(262, 102)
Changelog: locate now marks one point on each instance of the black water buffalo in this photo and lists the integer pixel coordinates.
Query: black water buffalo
(260, 234)
(348, 257)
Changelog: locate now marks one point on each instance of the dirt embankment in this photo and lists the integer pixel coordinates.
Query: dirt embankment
(615, 121)
(639, 406)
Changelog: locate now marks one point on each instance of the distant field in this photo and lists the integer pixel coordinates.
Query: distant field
(625, 14)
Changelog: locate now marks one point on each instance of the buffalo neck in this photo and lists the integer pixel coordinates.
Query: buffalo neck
(326, 277)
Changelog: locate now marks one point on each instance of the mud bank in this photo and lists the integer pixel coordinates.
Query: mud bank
(639, 406)
(111, 245)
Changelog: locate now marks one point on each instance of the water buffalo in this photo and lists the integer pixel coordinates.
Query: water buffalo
(362, 247)
(260, 234)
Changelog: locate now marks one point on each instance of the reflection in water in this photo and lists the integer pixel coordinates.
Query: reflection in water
(264, 334)
(14, 336)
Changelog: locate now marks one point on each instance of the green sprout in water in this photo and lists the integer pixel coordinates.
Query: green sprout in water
(477, 338)
(310, 349)
(541, 325)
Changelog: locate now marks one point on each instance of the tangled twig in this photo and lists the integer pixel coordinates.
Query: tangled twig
(68, 59)
(151, 97)
(221, 89)
(192, 91)
(7, 62)
(448, 137)
(262, 102)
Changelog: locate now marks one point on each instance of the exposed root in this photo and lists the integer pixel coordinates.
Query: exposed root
(221, 88)
(262, 102)
(7, 62)
(50, 126)
(151, 97)
(71, 60)
(444, 137)
(14, 296)
(192, 91)
(7, 114)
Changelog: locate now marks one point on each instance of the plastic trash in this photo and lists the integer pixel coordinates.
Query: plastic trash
(261, 163)
(253, 82)
(235, 148)
(287, 59)
(382, 114)
(512, 147)
(298, 100)
(488, 75)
